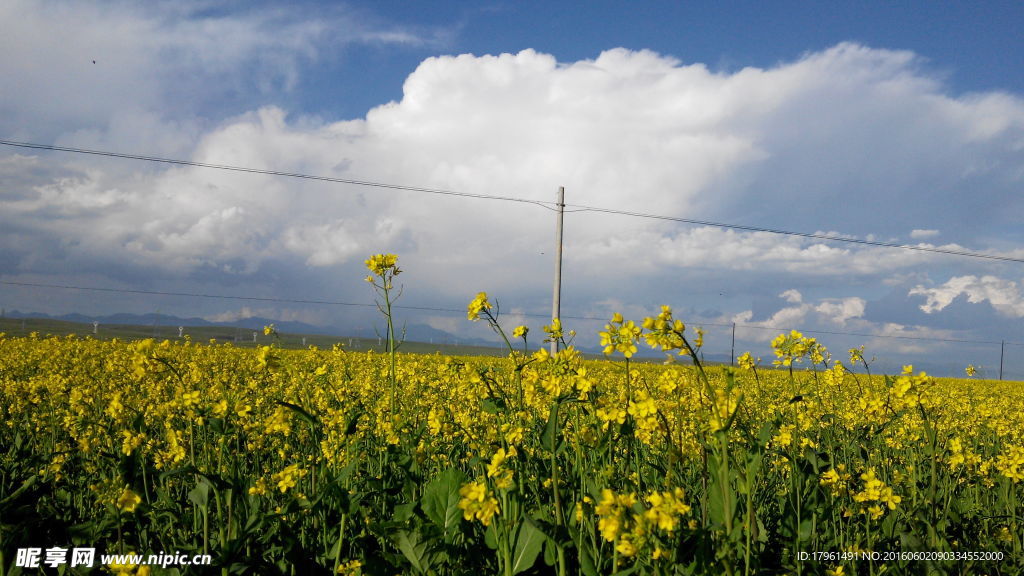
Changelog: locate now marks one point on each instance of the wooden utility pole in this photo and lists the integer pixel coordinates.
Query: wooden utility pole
(556, 310)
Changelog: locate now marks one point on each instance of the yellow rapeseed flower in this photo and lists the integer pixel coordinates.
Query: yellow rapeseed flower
(288, 478)
(620, 336)
(381, 264)
(477, 305)
(477, 502)
(498, 472)
(128, 500)
(746, 361)
(1010, 463)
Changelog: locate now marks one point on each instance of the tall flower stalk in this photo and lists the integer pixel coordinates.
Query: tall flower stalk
(384, 268)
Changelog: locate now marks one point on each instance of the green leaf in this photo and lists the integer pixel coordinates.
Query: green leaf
(551, 435)
(416, 551)
(302, 413)
(491, 405)
(403, 512)
(748, 482)
(767, 430)
(200, 495)
(25, 486)
(587, 561)
(805, 530)
(529, 543)
(336, 548)
(440, 501)
(491, 537)
(550, 553)
(353, 420)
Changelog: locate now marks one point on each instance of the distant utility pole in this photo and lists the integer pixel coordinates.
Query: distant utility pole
(556, 305)
(1002, 350)
(732, 355)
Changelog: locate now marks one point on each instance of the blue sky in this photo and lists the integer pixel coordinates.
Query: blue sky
(972, 46)
(894, 122)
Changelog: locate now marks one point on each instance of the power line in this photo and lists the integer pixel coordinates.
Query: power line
(214, 296)
(581, 208)
(865, 335)
(542, 204)
(463, 311)
(260, 299)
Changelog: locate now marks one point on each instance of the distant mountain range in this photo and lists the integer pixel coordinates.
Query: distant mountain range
(414, 332)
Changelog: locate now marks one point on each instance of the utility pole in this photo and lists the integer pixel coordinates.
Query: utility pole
(732, 355)
(556, 310)
(1002, 349)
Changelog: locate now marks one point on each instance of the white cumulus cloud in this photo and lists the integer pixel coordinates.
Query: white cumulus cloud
(1004, 296)
(792, 296)
(841, 310)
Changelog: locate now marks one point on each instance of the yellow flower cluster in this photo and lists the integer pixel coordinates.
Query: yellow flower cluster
(382, 264)
(476, 306)
(746, 361)
(1010, 463)
(836, 479)
(644, 410)
(794, 347)
(875, 495)
(478, 502)
(497, 470)
(548, 377)
(620, 336)
(289, 477)
(634, 524)
(666, 508)
(664, 331)
(617, 519)
(128, 500)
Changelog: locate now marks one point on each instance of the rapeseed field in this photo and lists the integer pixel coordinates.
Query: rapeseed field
(276, 461)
